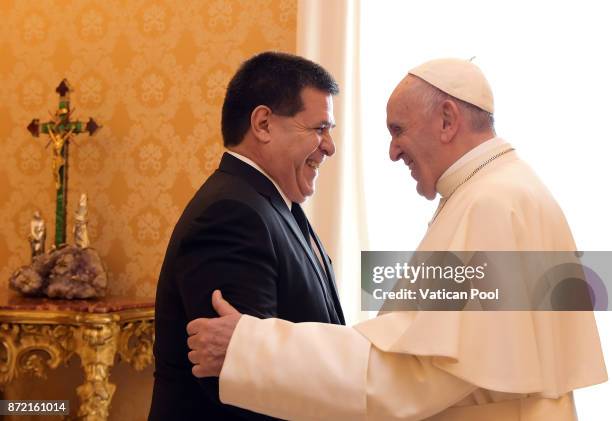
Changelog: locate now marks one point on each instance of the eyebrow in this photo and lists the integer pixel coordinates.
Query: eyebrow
(326, 123)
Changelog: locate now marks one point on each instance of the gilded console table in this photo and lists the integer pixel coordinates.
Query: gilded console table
(37, 334)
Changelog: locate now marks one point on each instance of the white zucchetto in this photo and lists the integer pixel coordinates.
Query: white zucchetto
(461, 79)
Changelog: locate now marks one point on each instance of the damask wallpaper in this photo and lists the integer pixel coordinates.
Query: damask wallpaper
(153, 74)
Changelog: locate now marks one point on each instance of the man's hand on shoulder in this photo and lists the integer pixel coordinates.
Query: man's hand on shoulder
(209, 338)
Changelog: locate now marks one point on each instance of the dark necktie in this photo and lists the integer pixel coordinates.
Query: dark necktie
(300, 218)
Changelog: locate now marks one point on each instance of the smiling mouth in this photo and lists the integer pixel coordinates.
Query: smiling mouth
(313, 164)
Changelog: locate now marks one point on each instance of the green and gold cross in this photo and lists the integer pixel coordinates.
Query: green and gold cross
(60, 130)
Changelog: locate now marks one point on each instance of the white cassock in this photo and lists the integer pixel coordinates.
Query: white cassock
(471, 365)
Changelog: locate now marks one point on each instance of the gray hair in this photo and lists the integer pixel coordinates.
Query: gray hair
(431, 98)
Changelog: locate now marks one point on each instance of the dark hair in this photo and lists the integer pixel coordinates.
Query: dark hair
(275, 80)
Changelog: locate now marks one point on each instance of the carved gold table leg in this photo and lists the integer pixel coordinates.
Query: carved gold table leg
(96, 345)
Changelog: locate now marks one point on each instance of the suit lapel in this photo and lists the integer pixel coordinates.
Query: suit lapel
(264, 186)
(330, 275)
(281, 208)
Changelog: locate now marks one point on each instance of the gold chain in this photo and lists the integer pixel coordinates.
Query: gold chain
(481, 166)
(472, 174)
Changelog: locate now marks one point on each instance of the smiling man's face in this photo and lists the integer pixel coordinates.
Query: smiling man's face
(414, 137)
(300, 144)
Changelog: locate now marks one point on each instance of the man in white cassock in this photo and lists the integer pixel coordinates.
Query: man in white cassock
(413, 365)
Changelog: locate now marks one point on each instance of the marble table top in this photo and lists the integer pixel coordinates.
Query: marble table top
(11, 300)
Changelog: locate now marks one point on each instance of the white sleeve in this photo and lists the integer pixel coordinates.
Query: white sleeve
(315, 371)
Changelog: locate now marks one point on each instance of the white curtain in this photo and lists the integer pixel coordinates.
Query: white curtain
(328, 33)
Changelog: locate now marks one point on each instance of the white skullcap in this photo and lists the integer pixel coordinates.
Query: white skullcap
(458, 78)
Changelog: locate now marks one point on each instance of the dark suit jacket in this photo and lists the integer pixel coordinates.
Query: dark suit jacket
(236, 235)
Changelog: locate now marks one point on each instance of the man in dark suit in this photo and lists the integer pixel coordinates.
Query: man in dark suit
(244, 231)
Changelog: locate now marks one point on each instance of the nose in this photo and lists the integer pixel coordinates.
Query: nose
(394, 151)
(327, 145)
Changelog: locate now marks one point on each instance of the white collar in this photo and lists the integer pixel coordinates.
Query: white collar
(481, 149)
(258, 168)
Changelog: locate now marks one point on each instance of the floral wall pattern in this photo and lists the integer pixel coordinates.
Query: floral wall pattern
(153, 74)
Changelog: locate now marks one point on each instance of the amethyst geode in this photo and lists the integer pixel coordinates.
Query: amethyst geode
(69, 272)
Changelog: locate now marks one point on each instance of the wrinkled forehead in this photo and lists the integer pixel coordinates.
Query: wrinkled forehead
(315, 99)
(400, 98)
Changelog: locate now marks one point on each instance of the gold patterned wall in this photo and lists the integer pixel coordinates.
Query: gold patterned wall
(153, 73)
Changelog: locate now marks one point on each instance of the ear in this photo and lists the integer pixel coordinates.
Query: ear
(451, 120)
(260, 123)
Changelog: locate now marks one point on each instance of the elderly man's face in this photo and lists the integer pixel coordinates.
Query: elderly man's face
(413, 138)
(300, 144)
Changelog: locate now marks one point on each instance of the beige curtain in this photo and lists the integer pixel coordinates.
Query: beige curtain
(328, 33)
